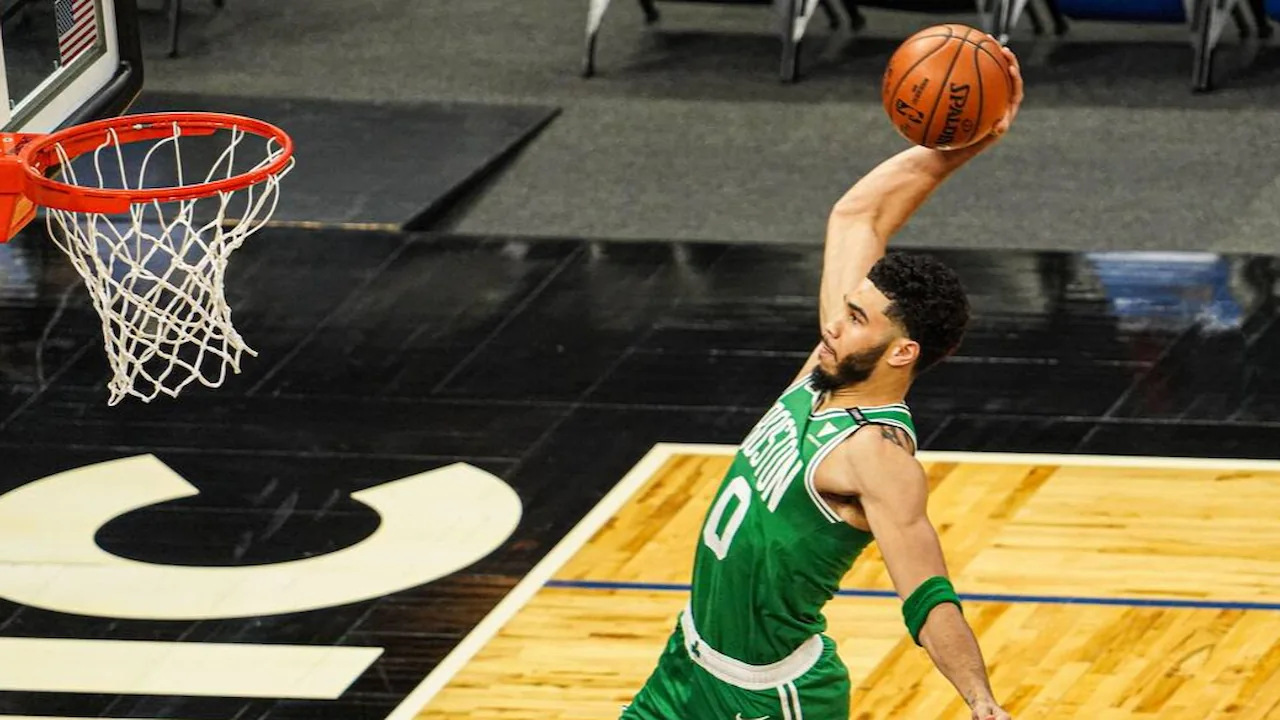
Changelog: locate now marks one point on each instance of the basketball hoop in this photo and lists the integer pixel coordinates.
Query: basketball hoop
(151, 246)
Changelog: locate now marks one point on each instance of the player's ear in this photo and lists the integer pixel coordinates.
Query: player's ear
(903, 352)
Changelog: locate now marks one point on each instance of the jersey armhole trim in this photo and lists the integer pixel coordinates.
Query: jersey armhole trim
(830, 514)
(891, 406)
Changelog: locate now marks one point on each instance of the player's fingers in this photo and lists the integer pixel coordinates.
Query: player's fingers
(1015, 70)
(1010, 56)
(1015, 75)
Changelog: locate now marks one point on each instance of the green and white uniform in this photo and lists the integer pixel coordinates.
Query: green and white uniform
(750, 644)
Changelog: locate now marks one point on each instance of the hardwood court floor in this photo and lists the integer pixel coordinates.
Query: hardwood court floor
(1101, 588)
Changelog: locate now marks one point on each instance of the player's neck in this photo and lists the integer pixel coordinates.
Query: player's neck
(872, 392)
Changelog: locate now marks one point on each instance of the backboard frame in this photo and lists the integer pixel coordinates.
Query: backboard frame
(116, 72)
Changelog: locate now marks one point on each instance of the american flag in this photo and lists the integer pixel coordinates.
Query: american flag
(77, 27)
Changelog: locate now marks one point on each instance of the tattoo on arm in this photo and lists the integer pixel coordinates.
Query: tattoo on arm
(895, 436)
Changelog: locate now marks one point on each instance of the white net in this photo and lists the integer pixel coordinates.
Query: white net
(157, 275)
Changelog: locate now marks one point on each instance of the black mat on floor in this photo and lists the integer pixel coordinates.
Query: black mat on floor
(389, 165)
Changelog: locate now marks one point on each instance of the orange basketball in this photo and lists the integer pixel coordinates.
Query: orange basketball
(946, 86)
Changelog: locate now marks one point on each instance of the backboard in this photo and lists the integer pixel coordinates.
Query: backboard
(65, 62)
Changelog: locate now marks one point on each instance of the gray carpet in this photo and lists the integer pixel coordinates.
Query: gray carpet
(687, 134)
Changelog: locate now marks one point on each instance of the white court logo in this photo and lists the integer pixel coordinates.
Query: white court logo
(432, 524)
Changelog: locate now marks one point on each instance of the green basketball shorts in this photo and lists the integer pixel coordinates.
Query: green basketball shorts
(694, 682)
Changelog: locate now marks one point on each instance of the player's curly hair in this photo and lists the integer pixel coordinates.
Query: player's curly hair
(927, 300)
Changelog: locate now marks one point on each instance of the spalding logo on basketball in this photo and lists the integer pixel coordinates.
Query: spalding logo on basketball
(947, 86)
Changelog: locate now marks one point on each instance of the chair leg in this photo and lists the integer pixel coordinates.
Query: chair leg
(1251, 28)
(1265, 31)
(651, 14)
(790, 46)
(790, 61)
(1251, 19)
(1211, 17)
(833, 18)
(1060, 25)
(857, 21)
(999, 18)
(1037, 22)
(589, 57)
(175, 26)
(1243, 26)
(595, 18)
(1202, 70)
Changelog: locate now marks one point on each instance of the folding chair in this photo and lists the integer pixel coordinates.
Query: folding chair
(1206, 19)
(1265, 11)
(794, 17)
(796, 14)
(985, 9)
(1008, 13)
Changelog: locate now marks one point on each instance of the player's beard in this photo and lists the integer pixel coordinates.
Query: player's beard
(853, 369)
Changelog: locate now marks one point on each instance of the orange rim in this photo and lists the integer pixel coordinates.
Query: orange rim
(40, 155)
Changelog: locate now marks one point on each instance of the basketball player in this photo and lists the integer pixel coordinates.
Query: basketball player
(828, 469)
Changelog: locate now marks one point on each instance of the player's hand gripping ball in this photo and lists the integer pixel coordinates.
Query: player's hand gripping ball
(948, 86)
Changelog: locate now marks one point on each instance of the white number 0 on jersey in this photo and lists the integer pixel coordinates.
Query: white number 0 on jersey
(718, 538)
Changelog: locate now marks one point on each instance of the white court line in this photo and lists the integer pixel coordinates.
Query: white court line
(1117, 461)
(654, 459)
(520, 595)
(144, 667)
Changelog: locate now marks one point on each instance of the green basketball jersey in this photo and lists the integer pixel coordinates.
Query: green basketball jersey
(772, 552)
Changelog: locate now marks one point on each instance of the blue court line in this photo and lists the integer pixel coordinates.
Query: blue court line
(975, 597)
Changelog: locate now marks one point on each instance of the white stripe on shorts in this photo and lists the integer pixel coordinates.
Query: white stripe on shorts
(795, 701)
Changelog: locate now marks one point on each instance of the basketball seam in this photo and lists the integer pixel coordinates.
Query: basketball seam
(979, 45)
(1008, 80)
(977, 71)
(990, 54)
(907, 73)
(932, 113)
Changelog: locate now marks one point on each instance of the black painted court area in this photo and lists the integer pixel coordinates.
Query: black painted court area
(556, 365)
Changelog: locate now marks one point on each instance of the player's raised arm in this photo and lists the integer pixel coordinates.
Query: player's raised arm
(861, 222)
(892, 488)
(879, 204)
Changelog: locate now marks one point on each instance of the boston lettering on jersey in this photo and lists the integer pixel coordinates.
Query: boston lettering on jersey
(773, 452)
